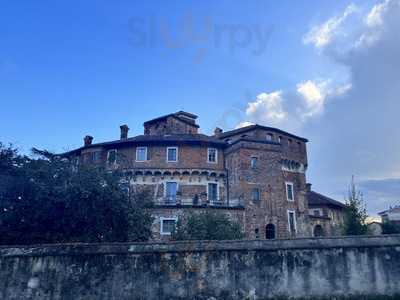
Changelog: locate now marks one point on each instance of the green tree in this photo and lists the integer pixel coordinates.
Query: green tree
(208, 225)
(355, 212)
(46, 200)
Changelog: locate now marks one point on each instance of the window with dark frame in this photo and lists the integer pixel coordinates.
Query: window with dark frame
(270, 231)
(141, 154)
(172, 154)
(257, 233)
(289, 191)
(256, 194)
(95, 156)
(168, 226)
(171, 189)
(212, 192)
(292, 222)
(212, 155)
(253, 162)
(112, 156)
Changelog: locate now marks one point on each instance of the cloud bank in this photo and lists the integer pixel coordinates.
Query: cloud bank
(352, 124)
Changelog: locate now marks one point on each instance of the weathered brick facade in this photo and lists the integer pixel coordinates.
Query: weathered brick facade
(255, 174)
(326, 215)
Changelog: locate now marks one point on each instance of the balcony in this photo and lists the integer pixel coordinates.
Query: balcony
(179, 201)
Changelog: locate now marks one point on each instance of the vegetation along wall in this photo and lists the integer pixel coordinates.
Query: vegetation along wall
(203, 270)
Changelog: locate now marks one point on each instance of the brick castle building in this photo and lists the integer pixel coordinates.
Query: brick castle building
(255, 174)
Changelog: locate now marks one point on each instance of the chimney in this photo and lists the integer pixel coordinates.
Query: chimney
(87, 140)
(124, 131)
(308, 187)
(217, 131)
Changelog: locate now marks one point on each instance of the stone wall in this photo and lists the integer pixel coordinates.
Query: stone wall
(203, 270)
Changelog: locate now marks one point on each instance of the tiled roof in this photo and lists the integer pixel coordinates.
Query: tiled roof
(316, 199)
(256, 126)
(391, 210)
(158, 139)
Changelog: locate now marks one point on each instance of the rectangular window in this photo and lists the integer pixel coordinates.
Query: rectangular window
(289, 191)
(317, 212)
(253, 162)
(212, 192)
(75, 163)
(270, 137)
(141, 154)
(171, 189)
(172, 154)
(256, 194)
(95, 156)
(167, 225)
(212, 155)
(112, 156)
(292, 221)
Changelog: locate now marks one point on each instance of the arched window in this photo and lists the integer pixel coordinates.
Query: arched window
(270, 231)
(318, 231)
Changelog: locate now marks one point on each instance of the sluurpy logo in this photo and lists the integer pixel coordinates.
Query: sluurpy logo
(200, 34)
(235, 115)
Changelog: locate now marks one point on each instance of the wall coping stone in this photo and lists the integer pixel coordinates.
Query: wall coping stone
(74, 249)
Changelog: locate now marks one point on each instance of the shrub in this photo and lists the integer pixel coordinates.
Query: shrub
(46, 200)
(208, 225)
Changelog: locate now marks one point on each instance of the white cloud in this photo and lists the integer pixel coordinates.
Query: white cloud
(358, 135)
(307, 101)
(314, 94)
(322, 35)
(267, 108)
(244, 124)
(374, 23)
(342, 90)
(359, 102)
(374, 18)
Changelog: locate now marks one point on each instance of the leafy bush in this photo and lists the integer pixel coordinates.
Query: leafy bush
(208, 225)
(46, 200)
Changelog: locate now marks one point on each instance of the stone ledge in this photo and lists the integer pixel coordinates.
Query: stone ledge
(73, 249)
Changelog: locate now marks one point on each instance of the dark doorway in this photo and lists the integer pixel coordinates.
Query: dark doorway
(318, 231)
(270, 231)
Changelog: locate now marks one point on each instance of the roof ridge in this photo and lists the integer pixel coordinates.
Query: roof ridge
(253, 126)
(328, 199)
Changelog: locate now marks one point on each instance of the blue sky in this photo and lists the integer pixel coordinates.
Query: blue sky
(323, 70)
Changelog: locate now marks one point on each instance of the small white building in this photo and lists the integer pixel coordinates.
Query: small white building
(392, 214)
